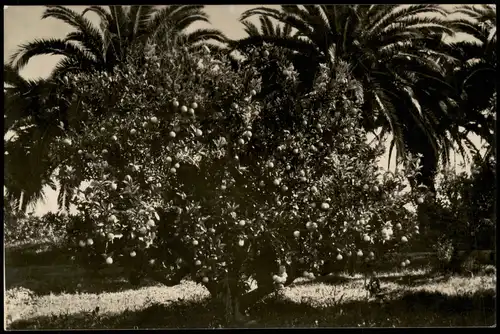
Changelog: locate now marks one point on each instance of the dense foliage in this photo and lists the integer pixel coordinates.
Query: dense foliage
(30, 229)
(464, 211)
(189, 171)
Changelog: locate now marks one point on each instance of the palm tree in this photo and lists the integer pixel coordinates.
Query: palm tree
(392, 50)
(89, 48)
(27, 170)
(470, 68)
(171, 22)
(28, 102)
(82, 49)
(29, 119)
(474, 76)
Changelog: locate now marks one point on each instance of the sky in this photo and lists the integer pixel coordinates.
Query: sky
(23, 24)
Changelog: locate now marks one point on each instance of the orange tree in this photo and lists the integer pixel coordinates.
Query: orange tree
(192, 174)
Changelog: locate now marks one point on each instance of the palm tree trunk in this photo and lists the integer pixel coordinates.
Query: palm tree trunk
(428, 172)
(23, 203)
(427, 178)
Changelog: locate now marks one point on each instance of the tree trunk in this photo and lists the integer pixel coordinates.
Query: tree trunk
(235, 301)
(424, 217)
(456, 261)
(251, 298)
(227, 294)
(160, 276)
(427, 178)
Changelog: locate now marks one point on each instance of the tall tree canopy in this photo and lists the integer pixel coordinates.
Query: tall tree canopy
(394, 51)
(91, 48)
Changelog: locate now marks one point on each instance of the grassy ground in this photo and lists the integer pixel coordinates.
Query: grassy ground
(54, 294)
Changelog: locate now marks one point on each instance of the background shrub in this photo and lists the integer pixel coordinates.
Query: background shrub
(26, 229)
(464, 213)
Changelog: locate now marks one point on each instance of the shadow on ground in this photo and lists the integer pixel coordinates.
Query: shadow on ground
(408, 278)
(70, 278)
(43, 280)
(416, 309)
(41, 254)
(44, 269)
(414, 279)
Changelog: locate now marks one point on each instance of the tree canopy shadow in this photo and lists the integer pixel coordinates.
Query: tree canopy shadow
(407, 278)
(421, 309)
(40, 254)
(44, 280)
(413, 279)
(332, 279)
(46, 268)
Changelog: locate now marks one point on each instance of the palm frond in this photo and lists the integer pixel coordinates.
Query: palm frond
(202, 35)
(70, 65)
(470, 27)
(104, 15)
(118, 27)
(266, 26)
(89, 37)
(167, 17)
(398, 13)
(13, 78)
(139, 18)
(250, 28)
(49, 47)
(482, 13)
(184, 22)
(287, 30)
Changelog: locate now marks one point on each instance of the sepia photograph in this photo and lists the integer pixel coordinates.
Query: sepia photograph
(249, 166)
